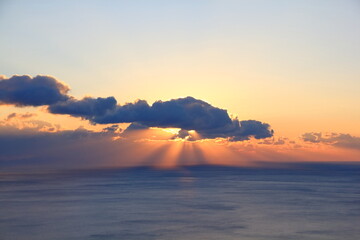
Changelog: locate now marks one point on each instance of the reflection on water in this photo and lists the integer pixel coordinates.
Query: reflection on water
(192, 203)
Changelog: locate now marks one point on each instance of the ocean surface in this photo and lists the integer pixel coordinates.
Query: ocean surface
(219, 203)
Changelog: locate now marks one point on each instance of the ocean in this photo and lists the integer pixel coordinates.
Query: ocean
(318, 202)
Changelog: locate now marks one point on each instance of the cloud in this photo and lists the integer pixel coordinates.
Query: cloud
(28, 91)
(184, 134)
(239, 130)
(31, 149)
(336, 139)
(19, 116)
(113, 128)
(87, 108)
(25, 122)
(184, 113)
(276, 141)
(61, 149)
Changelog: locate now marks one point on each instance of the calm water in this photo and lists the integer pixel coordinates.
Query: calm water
(192, 203)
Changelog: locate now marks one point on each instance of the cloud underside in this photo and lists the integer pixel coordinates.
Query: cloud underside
(183, 113)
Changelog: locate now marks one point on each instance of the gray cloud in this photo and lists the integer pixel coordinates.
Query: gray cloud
(28, 91)
(336, 139)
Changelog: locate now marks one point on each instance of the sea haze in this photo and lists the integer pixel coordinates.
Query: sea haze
(310, 202)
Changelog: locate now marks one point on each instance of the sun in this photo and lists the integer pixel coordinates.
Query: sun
(171, 130)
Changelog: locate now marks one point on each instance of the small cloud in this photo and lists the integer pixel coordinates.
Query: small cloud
(183, 134)
(136, 126)
(187, 135)
(336, 139)
(279, 142)
(19, 116)
(25, 122)
(113, 128)
(275, 141)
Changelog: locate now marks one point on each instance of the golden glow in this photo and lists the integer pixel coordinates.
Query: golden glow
(161, 148)
(171, 130)
(156, 148)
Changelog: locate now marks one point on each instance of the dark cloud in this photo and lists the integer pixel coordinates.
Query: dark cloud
(183, 113)
(183, 134)
(28, 91)
(130, 112)
(335, 139)
(253, 128)
(240, 130)
(88, 108)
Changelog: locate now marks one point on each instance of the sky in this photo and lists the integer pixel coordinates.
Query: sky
(290, 67)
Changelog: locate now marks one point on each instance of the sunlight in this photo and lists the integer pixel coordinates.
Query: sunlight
(171, 130)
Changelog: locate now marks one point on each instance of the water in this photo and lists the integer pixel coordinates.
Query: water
(190, 203)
